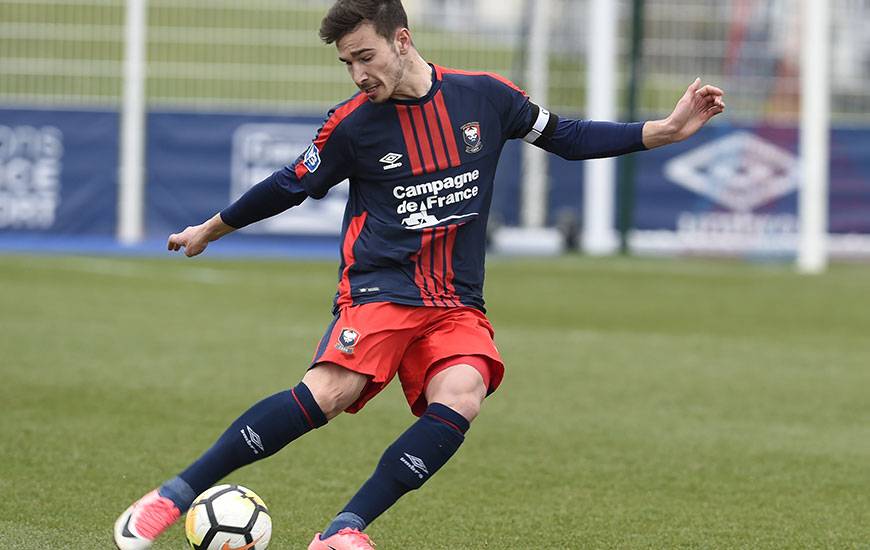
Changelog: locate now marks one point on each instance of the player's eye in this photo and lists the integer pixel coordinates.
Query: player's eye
(367, 58)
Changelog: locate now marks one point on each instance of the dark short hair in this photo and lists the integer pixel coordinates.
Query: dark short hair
(345, 16)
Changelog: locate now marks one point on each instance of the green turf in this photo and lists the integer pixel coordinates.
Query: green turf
(648, 404)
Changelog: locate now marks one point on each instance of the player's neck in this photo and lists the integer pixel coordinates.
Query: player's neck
(417, 80)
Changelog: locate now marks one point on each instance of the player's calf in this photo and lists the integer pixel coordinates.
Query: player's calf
(405, 466)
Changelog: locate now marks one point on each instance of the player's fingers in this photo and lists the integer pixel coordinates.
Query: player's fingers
(709, 90)
(693, 87)
(175, 242)
(713, 111)
(191, 251)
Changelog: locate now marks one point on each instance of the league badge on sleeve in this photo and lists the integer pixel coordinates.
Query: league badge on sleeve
(471, 137)
(311, 158)
(347, 340)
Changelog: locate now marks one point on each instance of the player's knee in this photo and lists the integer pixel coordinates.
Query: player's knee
(467, 404)
(461, 388)
(334, 388)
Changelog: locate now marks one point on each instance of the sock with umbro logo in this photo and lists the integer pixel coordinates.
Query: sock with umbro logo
(406, 464)
(259, 432)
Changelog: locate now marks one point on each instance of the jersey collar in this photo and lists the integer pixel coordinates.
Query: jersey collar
(436, 85)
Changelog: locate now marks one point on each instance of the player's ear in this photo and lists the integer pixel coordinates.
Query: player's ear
(403, 41)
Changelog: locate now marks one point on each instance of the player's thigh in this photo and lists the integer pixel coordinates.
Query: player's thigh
(334, 387)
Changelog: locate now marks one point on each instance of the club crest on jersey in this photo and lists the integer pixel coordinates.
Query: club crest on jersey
(311, 158)
(471, 137)
(347, 340)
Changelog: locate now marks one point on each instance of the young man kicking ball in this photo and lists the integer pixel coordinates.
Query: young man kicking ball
(420, 144)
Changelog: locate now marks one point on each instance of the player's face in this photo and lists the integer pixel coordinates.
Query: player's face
(374, 63)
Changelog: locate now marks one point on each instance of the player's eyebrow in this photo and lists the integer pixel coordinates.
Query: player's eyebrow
(356, 53)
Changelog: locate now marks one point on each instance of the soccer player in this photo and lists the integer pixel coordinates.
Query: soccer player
(420, 144)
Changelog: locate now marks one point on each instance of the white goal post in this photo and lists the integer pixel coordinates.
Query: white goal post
(814, 136)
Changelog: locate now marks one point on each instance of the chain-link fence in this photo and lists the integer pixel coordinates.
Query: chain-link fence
(265, 54)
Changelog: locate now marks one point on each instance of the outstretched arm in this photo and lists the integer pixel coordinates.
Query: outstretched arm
(697, 106)
(326, 162)
(271, 196)
(589, 139)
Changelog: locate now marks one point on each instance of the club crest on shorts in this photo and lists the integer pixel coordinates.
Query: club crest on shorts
(471, 137)
(347, 339)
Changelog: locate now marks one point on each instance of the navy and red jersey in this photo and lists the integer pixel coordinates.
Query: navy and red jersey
(421, 181)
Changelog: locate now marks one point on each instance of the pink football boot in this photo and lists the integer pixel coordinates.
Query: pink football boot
(144, 521)
(346, 539)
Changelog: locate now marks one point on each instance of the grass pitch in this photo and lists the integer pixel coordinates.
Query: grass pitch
(647, 404)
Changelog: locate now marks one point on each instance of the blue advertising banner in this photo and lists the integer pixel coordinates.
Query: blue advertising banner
(58, 172)
(735, 190)
(727, 190)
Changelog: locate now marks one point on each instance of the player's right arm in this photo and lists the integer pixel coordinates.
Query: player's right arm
(327, 161)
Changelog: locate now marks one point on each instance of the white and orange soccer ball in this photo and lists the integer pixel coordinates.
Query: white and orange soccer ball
(228, 517)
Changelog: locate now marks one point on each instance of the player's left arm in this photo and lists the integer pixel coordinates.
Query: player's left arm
(589, 139)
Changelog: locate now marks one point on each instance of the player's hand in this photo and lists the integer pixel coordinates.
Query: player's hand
(697, 106)
(193, 240)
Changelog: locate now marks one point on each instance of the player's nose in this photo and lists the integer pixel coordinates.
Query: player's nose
(359, 77)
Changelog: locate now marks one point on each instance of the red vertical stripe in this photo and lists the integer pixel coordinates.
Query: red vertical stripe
(448, 263)
(350, 238)
(420, 126)
(449, 136)
(410, 142)
(422, 268)
(435, 133)
(442, 268)
(438, 263)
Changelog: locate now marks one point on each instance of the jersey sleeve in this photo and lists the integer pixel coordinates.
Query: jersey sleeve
(570, 139)
(513, 105)
(584, 139)
(327, 161)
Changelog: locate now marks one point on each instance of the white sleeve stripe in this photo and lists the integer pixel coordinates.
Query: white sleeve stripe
(539, 126)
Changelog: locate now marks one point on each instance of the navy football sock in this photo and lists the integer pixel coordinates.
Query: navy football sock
(406, 464)
(261, 431)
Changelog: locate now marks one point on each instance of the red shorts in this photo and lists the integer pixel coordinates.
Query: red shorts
(382, 339)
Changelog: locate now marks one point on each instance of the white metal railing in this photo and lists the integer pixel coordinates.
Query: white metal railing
(748, 47)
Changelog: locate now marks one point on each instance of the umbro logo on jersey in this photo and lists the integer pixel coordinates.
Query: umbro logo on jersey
(391, 160)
